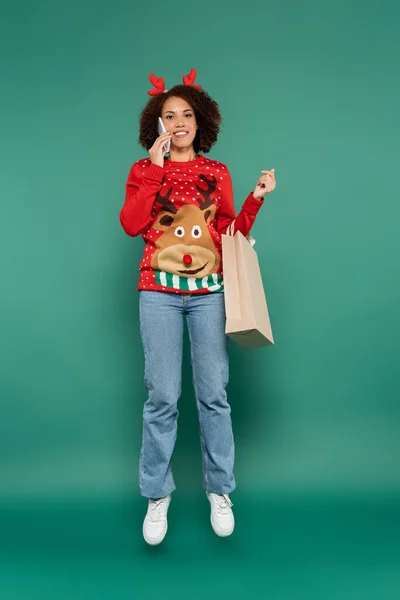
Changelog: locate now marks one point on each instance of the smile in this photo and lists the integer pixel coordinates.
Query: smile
(194, 271)
(181, 133)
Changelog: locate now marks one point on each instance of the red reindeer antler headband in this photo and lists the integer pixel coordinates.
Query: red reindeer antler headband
(159, 85)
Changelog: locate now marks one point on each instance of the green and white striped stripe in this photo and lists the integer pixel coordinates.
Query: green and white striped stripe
(213, 283)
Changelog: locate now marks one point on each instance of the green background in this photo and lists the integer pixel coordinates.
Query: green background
(310, 89)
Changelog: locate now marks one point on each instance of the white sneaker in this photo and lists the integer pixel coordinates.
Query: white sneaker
(155, 524)
(222, 519)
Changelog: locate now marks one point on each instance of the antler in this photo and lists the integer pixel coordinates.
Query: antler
(165, 202)
(158, 83)
(189, 79)
(211, 185)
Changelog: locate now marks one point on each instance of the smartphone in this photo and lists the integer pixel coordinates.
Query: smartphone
(161, 129)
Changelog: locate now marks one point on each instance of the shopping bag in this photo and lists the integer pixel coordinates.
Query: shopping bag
(247, 317)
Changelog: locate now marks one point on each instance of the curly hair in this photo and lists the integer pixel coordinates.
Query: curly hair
(207, 113)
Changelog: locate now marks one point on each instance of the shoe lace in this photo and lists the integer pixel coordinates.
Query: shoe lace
(223, 503)
(156, 509)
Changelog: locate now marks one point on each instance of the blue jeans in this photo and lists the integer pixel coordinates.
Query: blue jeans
(162, 326)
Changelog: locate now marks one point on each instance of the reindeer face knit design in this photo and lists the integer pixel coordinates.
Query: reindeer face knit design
(181, 210)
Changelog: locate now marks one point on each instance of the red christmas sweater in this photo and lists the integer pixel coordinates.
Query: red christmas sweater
(181, 210)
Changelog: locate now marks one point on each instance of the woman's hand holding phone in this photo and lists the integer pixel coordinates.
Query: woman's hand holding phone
(157, 151)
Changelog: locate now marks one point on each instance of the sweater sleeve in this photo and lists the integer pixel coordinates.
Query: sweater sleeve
(227, 222)
(141, 191)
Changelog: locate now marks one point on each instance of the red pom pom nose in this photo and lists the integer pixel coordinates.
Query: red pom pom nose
(187, 259)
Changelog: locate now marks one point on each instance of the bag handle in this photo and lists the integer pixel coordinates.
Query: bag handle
(249, 238)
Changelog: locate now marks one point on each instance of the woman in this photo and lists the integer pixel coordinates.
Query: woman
(181, 205)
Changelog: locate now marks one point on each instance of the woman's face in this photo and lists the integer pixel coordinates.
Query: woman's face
(179, 120)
